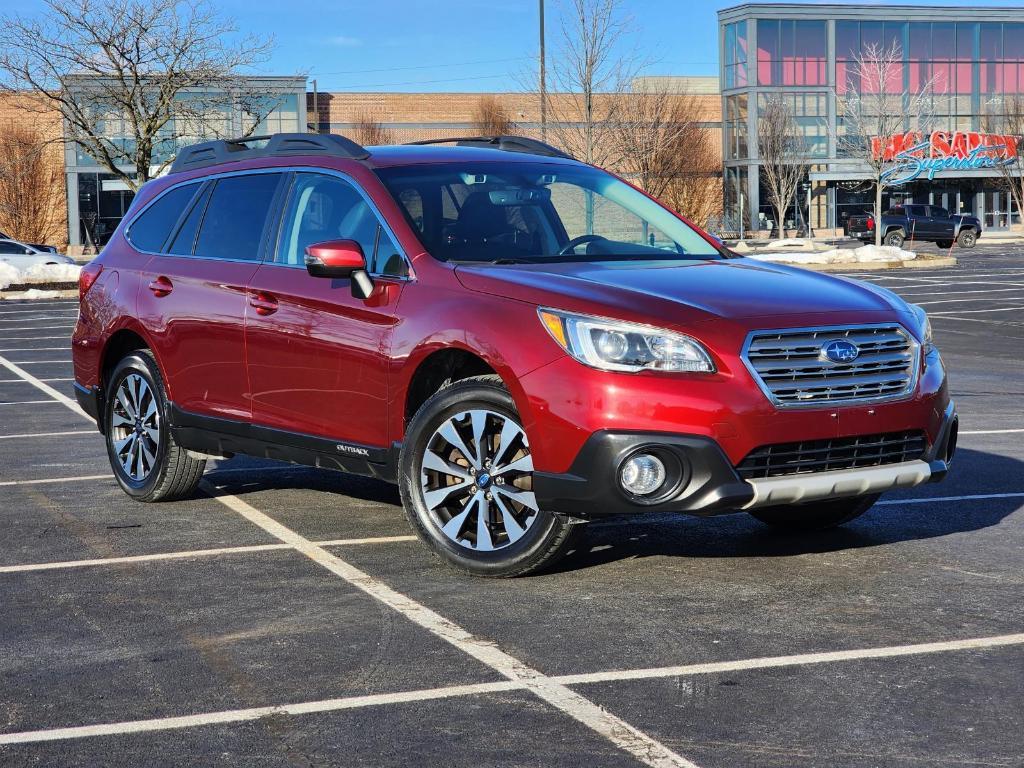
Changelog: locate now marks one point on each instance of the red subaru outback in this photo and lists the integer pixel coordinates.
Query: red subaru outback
(521, 341)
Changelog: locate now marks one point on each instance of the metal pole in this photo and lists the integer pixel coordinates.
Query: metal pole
(810, 229)
(741, 216)
(316, 110)
(543, 81)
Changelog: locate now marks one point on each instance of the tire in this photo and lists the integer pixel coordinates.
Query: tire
(148, 464)
(894, 239)
(515, 537)
(967, 238)
(947, 244)
(815, 516)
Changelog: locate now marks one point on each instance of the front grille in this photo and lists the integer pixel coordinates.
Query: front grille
(792, 369)
(837, 453)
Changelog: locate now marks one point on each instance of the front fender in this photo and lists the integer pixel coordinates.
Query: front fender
(506, 334)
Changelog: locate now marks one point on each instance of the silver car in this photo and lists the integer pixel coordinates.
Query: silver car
(22, 255)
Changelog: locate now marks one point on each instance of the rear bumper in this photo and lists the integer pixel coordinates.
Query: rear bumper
(702, 480)
(90, 400)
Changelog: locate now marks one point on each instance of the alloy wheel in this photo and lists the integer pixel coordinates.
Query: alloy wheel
(135, 427)
(477, 480)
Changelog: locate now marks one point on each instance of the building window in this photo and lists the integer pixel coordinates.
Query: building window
(810, 111)
(735, 125)
(736, 55)
(791, 52)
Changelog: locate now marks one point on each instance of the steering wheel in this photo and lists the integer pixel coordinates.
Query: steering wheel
(576, 242)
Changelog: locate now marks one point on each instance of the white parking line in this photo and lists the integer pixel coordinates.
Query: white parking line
(29, 402)
(974, 311)
(33, 320)
(37, 328)
(190, 553)
(961, 301)
(39, 384)
(22, 381)
(36, 349)
(499, 686)
(34, 338)
(637, 743)
(51, 480)
(934, 499)
(41, 312)
(962, 293)
(40, 362)
(989, 431)
(51, 434)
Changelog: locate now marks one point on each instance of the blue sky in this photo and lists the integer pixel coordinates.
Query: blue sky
(458, 45)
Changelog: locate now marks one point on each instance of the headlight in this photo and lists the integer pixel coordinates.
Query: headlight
(926, 328)
(617, 346)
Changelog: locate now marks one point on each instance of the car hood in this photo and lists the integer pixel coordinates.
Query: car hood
(680, 292)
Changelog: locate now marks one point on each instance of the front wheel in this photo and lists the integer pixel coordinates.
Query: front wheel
(894, 239)
(945, 244)
(815, 516)
(467, 484)
(967, 238)
(147, 462)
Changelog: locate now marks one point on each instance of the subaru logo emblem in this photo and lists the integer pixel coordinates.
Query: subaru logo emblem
(840, 351)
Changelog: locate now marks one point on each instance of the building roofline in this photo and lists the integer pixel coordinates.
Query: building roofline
(864, 10)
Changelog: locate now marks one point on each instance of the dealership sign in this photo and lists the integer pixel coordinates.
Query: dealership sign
(916, 154)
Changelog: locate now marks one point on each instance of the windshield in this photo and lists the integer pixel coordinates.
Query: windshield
(537, 212)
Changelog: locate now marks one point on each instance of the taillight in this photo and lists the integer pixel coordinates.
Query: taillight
(871, 223)
(87, 277)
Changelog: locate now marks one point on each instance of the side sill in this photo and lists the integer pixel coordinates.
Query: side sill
(213, 435)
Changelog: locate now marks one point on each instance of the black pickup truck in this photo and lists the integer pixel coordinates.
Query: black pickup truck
(917, 222)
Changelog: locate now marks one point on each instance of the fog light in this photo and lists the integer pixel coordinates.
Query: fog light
(642, 474)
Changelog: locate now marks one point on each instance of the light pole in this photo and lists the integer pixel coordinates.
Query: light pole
(543, 81)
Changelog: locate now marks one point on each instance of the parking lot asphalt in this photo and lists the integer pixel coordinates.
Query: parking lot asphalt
(286, 616)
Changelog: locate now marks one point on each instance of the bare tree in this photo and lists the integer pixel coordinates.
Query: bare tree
(369, 131)
(491, 117)
(589, 67)
(781, 153)
(665, 148)
(134, 79)
(1006, 116)
(877, 111)
(31, 186)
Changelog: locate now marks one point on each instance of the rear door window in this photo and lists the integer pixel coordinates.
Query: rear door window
(149, 232)
(237, 216)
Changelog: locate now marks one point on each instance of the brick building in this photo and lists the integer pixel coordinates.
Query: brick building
(95, 201)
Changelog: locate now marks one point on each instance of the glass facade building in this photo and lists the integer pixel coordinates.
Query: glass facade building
(98, 200)
(972, 57)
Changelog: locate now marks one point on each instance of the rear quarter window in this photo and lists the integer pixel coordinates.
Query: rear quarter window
(150, 230)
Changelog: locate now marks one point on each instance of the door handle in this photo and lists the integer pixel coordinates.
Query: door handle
(264, 303)
(161, 286)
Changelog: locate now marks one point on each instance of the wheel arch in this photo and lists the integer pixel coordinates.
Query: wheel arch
(125, 339)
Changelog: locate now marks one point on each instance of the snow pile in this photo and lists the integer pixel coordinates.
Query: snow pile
(863, 254)
(35, 293)
(52, 273)
(791, 242)
(40, 273)
(8, 275)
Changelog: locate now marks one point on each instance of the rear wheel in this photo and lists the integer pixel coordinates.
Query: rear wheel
(894, 239)
(148, 464)
(815, 516)
(467, 484)
(945, 244)
(967, 238)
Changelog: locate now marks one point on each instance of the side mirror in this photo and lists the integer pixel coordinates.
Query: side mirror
(340, 259)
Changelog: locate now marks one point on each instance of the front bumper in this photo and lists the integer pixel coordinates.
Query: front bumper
(702, 480)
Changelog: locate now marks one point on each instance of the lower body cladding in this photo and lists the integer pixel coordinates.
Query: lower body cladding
(691, 474)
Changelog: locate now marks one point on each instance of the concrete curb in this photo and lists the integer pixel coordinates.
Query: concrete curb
(881, 266)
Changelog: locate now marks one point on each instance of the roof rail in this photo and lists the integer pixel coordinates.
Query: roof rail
(503, 142)
(279, 145)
